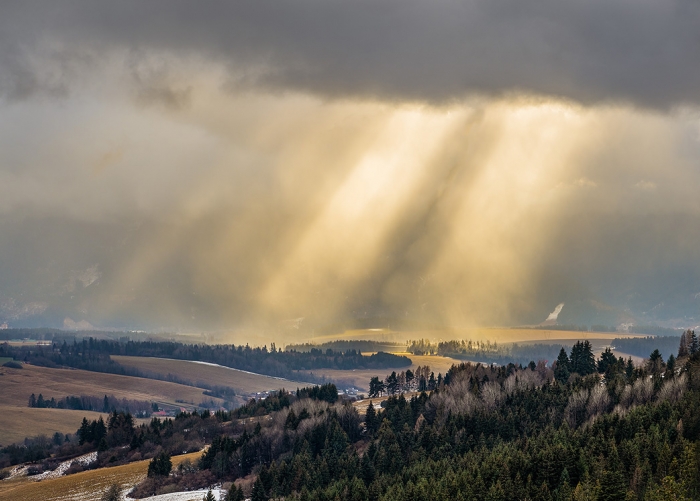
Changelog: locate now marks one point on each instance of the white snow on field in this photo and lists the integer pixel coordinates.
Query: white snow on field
(18, 471)
(224, 367)
(63, 467)
(185, 496)
(60, 470)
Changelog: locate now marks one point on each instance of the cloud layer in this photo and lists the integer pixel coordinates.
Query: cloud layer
(644, 53)
(164, 165)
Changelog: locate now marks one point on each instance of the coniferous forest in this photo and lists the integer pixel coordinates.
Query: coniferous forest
(585, 429)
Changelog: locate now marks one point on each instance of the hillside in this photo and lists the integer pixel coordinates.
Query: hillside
(17, 420)
(244, 383)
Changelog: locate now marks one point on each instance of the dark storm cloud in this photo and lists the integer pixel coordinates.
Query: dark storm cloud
(645, 52)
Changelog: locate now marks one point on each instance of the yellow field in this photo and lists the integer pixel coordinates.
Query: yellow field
(497, 334)
(241, 382)
(18, 421)
(84, 486)
(18, 384)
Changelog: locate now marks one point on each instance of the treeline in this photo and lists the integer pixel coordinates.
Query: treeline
(487, 433)
(140, 408)
(423, 379)
(84, 356)
(655, 330)
(571, 327)
(281, 399)
(642, 346)
(486, 351)
(95, 354)
(345, 345)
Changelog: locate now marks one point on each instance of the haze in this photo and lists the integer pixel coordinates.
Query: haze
(301, 165)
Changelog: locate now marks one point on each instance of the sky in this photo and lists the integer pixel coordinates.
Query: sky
(321, 165)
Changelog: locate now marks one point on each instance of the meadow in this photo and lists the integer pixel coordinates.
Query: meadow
(18, 421)
(19, 384)
(244, 383)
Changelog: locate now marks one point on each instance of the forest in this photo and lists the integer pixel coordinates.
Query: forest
(486, 351)
(95, 354)
(584, 429)
(140, 408)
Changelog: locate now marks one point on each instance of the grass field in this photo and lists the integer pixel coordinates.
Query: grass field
(242, 382)
(4, 359)
(84, 486)
(18, 384)
(18, 421)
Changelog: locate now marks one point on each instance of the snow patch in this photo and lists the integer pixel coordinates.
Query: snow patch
(555, 314)
(21, 470)
(219, 494)
(63, 467)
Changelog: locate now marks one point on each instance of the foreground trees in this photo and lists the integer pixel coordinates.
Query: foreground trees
(487, 433)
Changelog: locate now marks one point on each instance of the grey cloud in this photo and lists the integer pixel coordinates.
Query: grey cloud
(646, 53)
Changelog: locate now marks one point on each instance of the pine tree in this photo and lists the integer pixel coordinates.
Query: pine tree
(371, 419)
(607, 362)
(160, 465)
(683, 346)
(656, 363)
(561, 371)
(209, 496)
(392, 383)
(259, 493)
(235, 493)
(582, 358)
(84, 434)
(376, 387)
(671, 366)
(629, 370)
(613, 486)
(693, 343)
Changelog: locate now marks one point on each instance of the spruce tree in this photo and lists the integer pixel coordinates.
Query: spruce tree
(160, 465)
(561, 371)
(259, 493)
(371, 419)
(235, 493)
(683, 345)
(84, 433)
(693, 344)
(613, 486)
